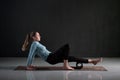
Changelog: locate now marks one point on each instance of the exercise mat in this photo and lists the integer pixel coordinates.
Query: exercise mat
(84, 68)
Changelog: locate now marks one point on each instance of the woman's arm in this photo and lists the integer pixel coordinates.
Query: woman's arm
(31, 54)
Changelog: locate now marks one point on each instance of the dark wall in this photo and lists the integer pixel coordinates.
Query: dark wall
(90, 27)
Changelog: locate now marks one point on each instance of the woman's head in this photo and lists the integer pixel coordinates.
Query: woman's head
(32, 36)
(36, 36)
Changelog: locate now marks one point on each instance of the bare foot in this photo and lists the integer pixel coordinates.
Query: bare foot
(68, 68)
(95, 61)
(30, 68)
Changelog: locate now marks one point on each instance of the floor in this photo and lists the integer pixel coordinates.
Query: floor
(7, 72)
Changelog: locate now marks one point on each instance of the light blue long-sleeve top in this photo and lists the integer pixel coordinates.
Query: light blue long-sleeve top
(37, 48)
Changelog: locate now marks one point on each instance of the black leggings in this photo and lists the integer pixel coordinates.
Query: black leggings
(63, 54)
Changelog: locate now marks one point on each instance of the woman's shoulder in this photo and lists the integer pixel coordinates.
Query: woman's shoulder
(35, 42)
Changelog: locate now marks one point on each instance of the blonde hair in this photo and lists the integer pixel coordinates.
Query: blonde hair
(28, 41)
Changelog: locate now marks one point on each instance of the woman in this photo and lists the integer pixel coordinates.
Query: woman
(61, 55)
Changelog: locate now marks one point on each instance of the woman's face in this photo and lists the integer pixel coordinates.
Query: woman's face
(37, 37)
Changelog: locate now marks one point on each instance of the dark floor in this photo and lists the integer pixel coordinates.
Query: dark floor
(7, 72)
